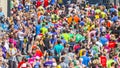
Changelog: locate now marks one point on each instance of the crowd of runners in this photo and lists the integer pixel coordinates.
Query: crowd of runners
(60, 34)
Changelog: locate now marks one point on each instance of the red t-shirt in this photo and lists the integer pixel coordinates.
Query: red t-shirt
(76, 47)
(19, 65)
(45, 3)
(39, 53)
(112, 44)
(39, 3)
(103, 61)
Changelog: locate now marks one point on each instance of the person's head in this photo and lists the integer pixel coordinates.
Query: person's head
(59, 41)
(3, 43)
(111, 56)
(24, 59)
(67, 45)
(54, 65)
(37, 58)
(80, 60)
(62, 59)
(71, 64)
(77, 63)
(46, 35)
(43, 25)
(0, 9)
(33, 50)
(113, 64)
(11, 45)
(84, 52)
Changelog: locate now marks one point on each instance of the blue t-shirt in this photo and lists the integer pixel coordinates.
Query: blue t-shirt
(16, 26)
(53, 40)
(103, 40)
(27, 8)
(101, 19)
(82, 23)
(112, 10)
(37, 65)
(48, 63)
(42, 17)
(115, 18)
(1, 14)
(38, 27)
(85, 60)
(20, 7)
(52, 2)
(54, 33)
(51, 24)
(63, 41)
(4, 26)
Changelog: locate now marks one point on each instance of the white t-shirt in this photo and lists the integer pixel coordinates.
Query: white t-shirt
(6, 44)
(99, 44)
(20, 35)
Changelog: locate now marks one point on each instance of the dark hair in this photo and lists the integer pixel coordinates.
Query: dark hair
(112, 63)
(62, 59)
(58, 41)
(110, 56)
(24, 59)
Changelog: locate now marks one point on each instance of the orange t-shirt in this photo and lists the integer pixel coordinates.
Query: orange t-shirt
(108, 24)
(69, 20)
(38, 14)
(34, 46)
(76, 19)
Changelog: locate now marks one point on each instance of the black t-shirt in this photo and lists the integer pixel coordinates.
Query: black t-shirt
(46, 42)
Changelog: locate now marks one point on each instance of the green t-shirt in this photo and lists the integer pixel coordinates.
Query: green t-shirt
(44, 30)
(66, 36)
(95, 48)
(71, 35)
(109, 63)
(76, 66)
(79, 37)
(11, 5)
(97, 11)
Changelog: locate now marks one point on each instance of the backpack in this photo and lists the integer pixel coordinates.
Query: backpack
(37, 65)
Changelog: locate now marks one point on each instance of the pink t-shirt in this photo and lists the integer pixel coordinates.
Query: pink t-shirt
(31, 60)
(11, 40)
(107, 36)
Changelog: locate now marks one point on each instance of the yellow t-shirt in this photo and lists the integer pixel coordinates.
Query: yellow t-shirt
(58, 66)
(97, 16)
(60, 1)
(103, 14)
(81, 51)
